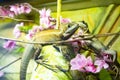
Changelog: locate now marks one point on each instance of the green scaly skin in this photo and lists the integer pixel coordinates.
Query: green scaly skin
(27, 55)
(99, 48)
(45, 36)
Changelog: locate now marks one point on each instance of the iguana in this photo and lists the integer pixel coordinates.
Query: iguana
(50, 35)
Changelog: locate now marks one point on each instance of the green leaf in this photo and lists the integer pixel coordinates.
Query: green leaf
(104, 75)
(25, 28)
(19, 50)
(91, 77)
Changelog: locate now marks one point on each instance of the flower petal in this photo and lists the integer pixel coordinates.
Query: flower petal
(9, 45)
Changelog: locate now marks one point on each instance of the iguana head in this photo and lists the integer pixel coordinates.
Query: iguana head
(72, 28)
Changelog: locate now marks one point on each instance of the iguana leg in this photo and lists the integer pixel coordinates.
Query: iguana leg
(67, 51)
(36, 56)
(112, 55)
(101, 50)
(37, 53)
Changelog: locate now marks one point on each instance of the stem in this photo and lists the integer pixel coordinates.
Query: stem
(10, 64)
(16, 19)
(106, 34)
(37, 10)
(97, 35)
(58, 13)
(80, 37)
(112, 41)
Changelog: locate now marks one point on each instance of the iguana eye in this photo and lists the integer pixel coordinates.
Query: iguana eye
(68, 26)
(71, 24)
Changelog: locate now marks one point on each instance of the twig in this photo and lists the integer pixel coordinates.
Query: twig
(37, 10)
(96, 35)
(10, 63)
(16, 19)
(107, 34)
(44, 43)
(80, 37)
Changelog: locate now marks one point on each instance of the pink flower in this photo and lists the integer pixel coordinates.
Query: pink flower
(78, 63)
(20, 8)
(25, 8)
(15, 9)
(44, 13)
(5, 12)
(45, 22)
(9, 45)
(40, 28)
(90, 66)
(30, 34)
(96, 66)
(16, 30)
(100, 64)
(11, 14)
(64, 20)
(81, 63)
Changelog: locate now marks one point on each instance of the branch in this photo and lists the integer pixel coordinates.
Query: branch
(16, 19)
(10, 63)
(45, 43)
(80, 37)
(96, 35)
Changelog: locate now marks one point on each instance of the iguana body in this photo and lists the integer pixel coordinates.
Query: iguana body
(53, 35)
(55, 63)
(44, 36)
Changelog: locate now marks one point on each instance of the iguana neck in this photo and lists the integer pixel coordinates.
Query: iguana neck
(63, 28)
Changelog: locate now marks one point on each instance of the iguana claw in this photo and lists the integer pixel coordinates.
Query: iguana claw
(109, 55)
